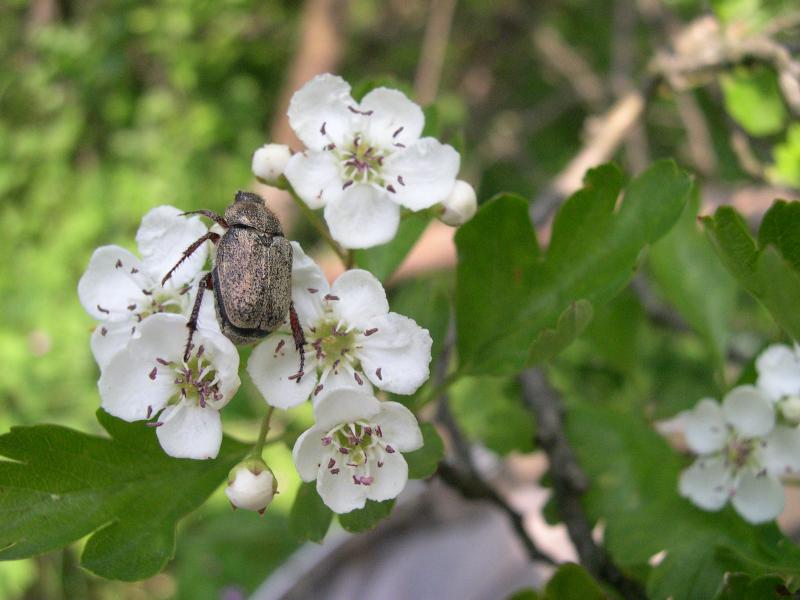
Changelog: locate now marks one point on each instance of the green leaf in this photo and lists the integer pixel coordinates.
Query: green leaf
(63, 485)
(690, 276)
(309, 518)
(489, 410)
(364, 519)
(423, 463)
(571, 581)
(780, 228)
(571, 323)
(383, 260)
(762, 271)
(786, 169)
(753, 98)
(506, 293)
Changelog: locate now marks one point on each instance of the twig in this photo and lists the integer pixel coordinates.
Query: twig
(434, 47)
(569, 482)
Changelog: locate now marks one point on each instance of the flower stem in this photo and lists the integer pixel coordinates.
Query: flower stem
(318, 225)
(258, 447)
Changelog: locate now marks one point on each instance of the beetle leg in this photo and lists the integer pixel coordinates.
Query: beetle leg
(214, 237)
(206, 283)
(218, 219)
(299, 339)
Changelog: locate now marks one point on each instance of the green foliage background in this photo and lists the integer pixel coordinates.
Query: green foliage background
(110, 108)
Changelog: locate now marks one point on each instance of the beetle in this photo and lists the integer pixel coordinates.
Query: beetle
(251, 277)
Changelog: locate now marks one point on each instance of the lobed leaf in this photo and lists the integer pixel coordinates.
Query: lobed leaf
(309, 518)
(366, 518)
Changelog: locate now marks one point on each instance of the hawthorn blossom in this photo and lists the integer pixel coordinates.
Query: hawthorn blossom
(121, 291)
(778, 370)
(365, 160)
(351, 339)
(269, 162)
(354, 449)
(460, 206)
(150, 380)
(742, 454)
(251, 485)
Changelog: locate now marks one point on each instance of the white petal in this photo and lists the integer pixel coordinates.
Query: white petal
(780, 452)
(394, 120)
(316, 177)
(779, 371)
(269, 161)
(162, 238)
(401, 349)
(325, 100)
(339, 492)
(223, 357)
(189, 431)
(342, 378)
(758, 499)
(108, 287)
(250, 491)
(270, 369)
(428, 170)
(460, 206)
(707, 483)
(705, 431)
(362, 217)
(399, 427)
(344, 405)
(749, 411)
(388, 479)
(308, 287)
(108, 339)
(308, 453)
(361, 298)
(126, 386)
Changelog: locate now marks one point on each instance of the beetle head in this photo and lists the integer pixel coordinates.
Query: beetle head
(250, 210)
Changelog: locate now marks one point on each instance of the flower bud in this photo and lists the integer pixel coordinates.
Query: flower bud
(790, 407)
(251, 485)
(269, 161)
(460, 206)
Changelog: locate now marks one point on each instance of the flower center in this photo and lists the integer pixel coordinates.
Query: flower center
(197, 379)
(333, 344)
(357, 446)
(739, 452)
(361, 162)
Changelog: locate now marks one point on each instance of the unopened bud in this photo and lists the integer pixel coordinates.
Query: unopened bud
(251, 485)
(269, 162)
(790, 407)
(460, 206)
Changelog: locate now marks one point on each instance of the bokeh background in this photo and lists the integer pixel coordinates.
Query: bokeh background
(109, 108)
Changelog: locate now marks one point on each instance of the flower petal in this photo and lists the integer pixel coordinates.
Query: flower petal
(758, 498)
(316, 177)
(108, 287)
(780, 452)
(362, 217)
(339, 492)
(399, 427)
(308, 453)
(705, 430)
(129, 387)
(189, 431)
(270, 366)
(401, 349)
(361, 298)
(342, 378)
(319, 112)
(706, 483)
(309, 286)
(428, 170)
(108, 339)
(344, 405)
(749, 410)
(779, 371)
(224, 359)
(389, 479)
(394, 120)
(162, 238)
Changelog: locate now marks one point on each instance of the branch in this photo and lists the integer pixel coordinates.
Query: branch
(569, 483)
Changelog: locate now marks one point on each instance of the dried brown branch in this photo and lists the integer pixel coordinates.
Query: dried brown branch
(434, 48)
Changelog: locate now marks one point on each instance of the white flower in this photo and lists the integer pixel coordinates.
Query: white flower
(251, 485)
(269, 162)
(778, 370)
(353, 450)
(121, 291)
(149, 379)
(365, 160)
(352, 339)
(742, 455)
(460, 206)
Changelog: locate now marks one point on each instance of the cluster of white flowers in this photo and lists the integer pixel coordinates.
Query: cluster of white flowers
(746, 445)
(363, 163)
